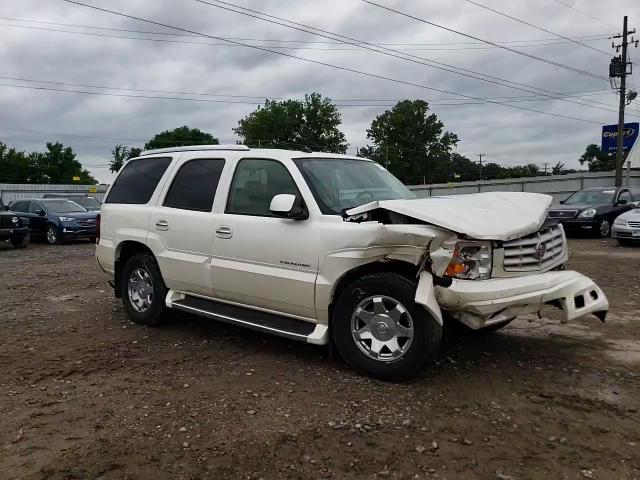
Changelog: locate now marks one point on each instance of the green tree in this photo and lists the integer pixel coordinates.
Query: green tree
(120, 155)
(310, 123)
(57, 165)
(179, 137)
(597, 160)
(412, 142)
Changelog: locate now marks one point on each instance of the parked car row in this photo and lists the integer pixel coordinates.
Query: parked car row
(56, 218)
(601, 211)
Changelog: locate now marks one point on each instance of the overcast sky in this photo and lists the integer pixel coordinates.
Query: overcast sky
(32, 52)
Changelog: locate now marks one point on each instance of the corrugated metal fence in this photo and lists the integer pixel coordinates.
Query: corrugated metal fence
(558, 186)
(15, 191)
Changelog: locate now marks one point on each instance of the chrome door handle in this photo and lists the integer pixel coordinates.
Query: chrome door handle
(162, 225)
(224, 231)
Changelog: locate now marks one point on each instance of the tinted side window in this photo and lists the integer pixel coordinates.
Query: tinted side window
(194, 186)
(138, 180)
(20, 207)
(35, 207)
(625, 196)
(255, 183)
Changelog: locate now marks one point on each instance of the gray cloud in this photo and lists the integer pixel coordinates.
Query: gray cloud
(508, 135)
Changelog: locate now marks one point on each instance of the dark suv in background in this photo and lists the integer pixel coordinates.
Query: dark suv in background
(593, 210)
(90, 203)
(57, 219)
(13, 228)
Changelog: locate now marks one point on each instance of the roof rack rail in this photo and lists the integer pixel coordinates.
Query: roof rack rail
(190, 148)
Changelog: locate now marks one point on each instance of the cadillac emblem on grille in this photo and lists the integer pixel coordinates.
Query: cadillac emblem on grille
(541, 249)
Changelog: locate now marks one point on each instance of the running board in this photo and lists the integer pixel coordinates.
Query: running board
(272, 323)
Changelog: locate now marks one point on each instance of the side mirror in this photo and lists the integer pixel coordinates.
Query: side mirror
(40, 212)
(561, 202)
(622, 202)
(285, 205)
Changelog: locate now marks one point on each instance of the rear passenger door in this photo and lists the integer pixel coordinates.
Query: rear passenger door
(181, 226)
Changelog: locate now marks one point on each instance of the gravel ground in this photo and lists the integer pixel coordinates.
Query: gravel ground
(85, 394)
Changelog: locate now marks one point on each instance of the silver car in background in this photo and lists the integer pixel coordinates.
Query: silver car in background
(626, 227)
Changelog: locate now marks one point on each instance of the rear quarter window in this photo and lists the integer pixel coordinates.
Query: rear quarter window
(138, 180)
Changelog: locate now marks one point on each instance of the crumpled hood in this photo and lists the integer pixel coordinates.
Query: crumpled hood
(484, 216)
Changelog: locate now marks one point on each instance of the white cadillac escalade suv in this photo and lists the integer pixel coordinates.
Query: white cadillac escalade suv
(328, 248)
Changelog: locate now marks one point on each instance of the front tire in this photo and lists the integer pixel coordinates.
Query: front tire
(143, 290)
(22, 243)
(380, 331)
(604, 229)
(52, 234)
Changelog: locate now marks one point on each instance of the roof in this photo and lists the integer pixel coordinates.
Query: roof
(244, 148)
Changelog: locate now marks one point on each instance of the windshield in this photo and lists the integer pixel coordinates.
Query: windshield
(63, 206)
(87, 202)
(591, 197)
(339, 184)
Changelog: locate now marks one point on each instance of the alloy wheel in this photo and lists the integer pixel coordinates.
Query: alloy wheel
(140, 289)
(382, 328)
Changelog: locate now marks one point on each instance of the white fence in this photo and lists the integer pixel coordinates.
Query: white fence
(558, 186)
(15, 191)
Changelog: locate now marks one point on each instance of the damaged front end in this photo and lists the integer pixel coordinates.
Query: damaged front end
(503, 258)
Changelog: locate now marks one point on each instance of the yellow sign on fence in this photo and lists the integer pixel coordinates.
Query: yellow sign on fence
(93, 189)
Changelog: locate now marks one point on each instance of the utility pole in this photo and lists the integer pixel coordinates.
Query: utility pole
(545, 167)
(618, 68)
(481, 155)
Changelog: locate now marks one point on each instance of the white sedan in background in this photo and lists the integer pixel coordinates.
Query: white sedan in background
(626, 228)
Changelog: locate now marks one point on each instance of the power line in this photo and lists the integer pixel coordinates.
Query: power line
(504, 47)
(536, 27)
(556, 95)
(585, 13)
(317, 62)
(508, 99)
(415, 46)
(384, 50)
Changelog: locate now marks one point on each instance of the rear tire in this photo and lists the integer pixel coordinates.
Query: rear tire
(380, 331)
(143, 290)
(604, 228)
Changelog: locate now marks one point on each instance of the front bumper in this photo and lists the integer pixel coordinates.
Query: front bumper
(626, 232)
(68, 231)
(480, 303)
(581, 224)
(13, 234)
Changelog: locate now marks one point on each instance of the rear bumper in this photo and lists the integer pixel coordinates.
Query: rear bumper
(481, 303)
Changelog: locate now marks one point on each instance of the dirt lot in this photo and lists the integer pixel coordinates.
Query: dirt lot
(86, 394)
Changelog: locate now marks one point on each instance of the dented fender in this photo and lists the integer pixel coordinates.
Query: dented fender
(425, 296)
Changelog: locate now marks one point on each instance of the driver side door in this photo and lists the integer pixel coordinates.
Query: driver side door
(260, 260)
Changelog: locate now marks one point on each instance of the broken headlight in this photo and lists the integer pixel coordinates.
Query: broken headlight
(471, 260)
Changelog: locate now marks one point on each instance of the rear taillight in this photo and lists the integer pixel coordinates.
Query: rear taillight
(97, 229)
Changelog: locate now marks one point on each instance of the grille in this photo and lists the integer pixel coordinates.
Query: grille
(562, 213)
(633, 224)
(5, 222)
(87, 223)
(535, 252)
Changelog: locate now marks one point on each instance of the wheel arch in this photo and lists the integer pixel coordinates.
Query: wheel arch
(406, 269)
(124, 251)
